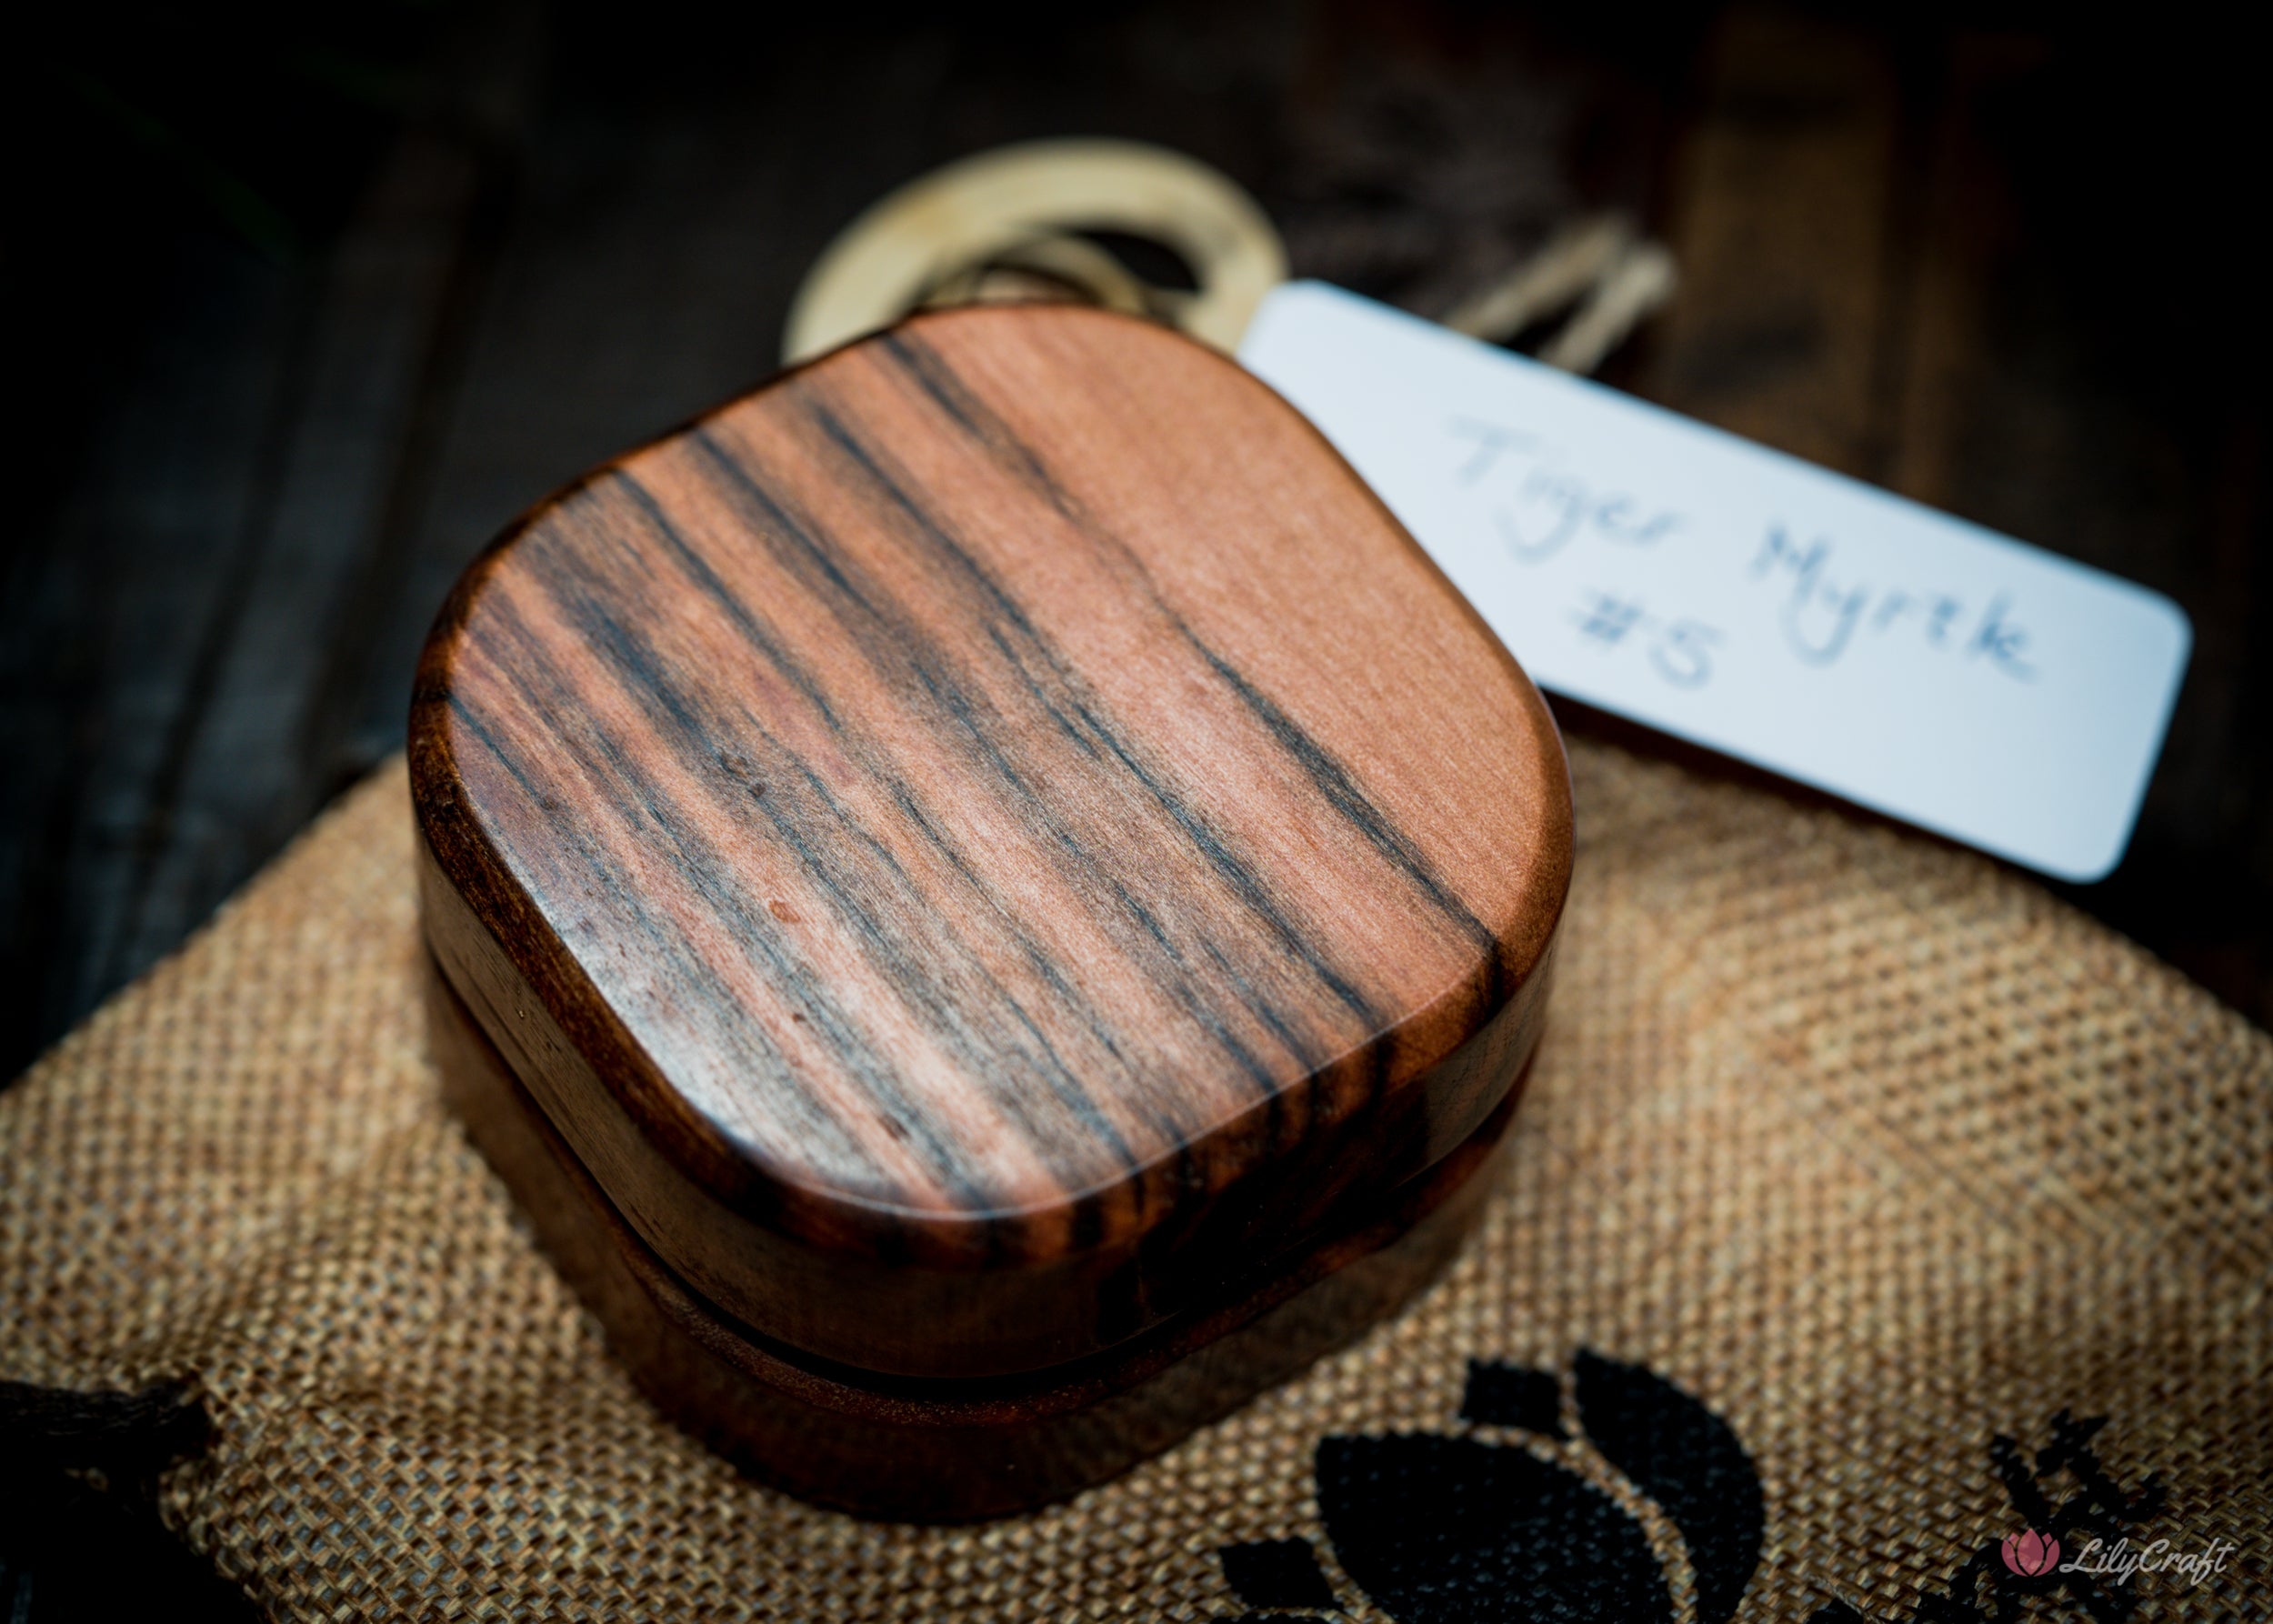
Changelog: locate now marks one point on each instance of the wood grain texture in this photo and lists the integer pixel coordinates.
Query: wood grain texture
(986, 837)
(948, 1450)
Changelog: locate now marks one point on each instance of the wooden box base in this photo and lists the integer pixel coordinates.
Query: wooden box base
(945, 1450)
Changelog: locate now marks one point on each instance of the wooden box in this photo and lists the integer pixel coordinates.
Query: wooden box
(989, 902)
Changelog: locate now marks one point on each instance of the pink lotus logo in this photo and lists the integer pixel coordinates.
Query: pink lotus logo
(2030, 1554)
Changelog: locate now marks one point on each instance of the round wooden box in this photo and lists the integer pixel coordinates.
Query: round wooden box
(989, 901)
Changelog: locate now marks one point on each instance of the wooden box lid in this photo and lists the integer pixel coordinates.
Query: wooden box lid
(989, 840)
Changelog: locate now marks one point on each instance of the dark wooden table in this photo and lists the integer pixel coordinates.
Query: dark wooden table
(1999, 269)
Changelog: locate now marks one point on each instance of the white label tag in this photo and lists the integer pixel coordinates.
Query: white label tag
(1926, 668)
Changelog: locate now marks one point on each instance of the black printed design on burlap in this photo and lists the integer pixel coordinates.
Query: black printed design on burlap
(1276, 1573)
(1511, 1396)
(80, 1534)
(1983, 1590)
(1446, 1529)
(1684, 1458)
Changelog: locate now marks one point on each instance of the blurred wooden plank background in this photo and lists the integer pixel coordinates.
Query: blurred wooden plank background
(1995, 266)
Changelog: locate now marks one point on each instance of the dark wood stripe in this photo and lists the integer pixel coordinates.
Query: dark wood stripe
(817, 842)
(893, 645)
(647, 812)
(1113, 744)
(1342, 792)
(635, 813)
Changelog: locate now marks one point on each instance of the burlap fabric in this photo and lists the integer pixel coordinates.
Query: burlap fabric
(1846, 1154)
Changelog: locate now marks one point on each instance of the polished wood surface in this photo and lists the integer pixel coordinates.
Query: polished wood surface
(987, 836)
(948, 1450)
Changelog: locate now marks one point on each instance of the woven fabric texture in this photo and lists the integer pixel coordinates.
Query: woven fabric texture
(1846, 1154)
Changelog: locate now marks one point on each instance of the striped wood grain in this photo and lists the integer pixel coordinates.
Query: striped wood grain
(986, 837)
